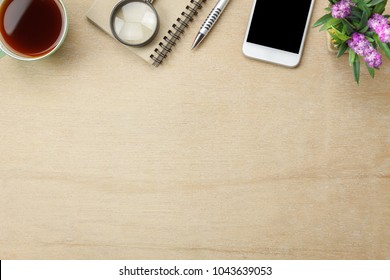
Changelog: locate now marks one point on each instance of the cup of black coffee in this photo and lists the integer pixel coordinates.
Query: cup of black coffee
(32, 29)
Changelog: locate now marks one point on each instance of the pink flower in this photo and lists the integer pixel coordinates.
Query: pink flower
(380, 26)
(342, 9)
(362, 47)
(373, 58)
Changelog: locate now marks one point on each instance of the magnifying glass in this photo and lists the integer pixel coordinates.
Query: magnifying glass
(134, 23)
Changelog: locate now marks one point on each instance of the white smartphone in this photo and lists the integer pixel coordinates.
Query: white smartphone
(277, 30)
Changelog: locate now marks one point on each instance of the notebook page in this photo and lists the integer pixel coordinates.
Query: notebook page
(168, 11)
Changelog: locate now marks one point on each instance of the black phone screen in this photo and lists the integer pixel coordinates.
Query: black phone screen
(279, 24)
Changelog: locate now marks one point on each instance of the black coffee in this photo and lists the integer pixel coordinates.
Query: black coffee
(31, 27)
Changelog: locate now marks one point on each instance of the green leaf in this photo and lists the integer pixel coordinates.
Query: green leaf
(342, 49)
(322, 20)
(374, 2)
(335, 39)
(332, 22)
(364, 29)
(380, 8)
(370, 70)
(352, 57)
(356, 12)
(356, 69)
(385, 47)
(340, 35)
(351, 27)
(363, 7)
(364, 20)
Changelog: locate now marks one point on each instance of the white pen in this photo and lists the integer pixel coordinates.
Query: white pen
(210, 21)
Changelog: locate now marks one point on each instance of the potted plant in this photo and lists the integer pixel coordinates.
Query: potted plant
(359, 28)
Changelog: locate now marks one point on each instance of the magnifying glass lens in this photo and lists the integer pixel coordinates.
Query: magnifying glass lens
(135, 23)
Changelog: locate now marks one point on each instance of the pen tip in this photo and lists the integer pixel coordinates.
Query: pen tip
(199, 38)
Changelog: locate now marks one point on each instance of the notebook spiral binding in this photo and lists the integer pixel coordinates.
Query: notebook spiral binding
(175, 33)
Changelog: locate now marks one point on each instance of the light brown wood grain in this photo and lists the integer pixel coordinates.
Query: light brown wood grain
(211, 156)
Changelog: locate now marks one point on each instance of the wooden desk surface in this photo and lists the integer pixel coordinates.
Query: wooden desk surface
(210, 156)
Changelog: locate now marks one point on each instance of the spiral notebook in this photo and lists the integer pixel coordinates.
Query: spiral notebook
(175, 16)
